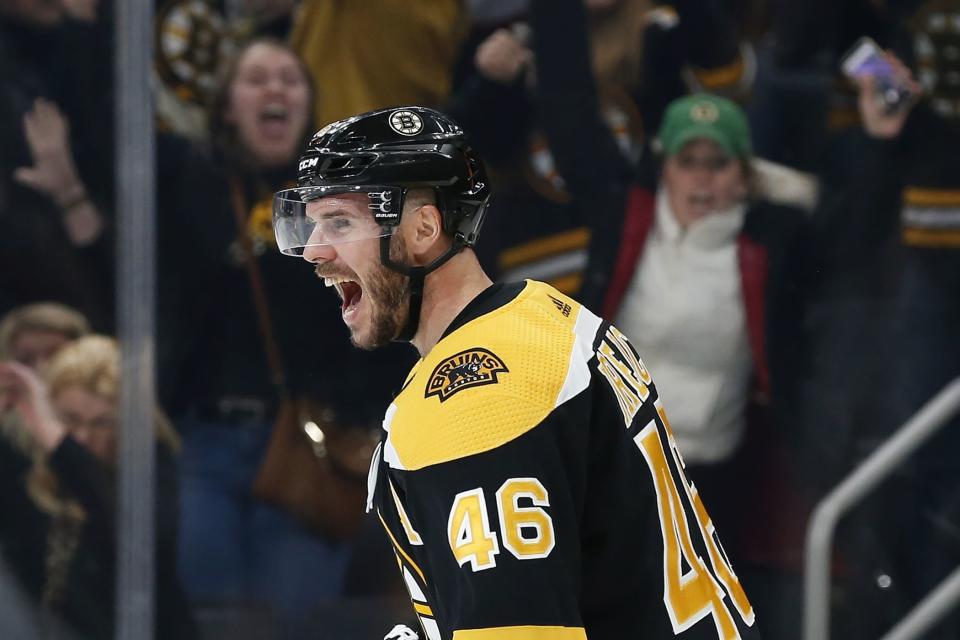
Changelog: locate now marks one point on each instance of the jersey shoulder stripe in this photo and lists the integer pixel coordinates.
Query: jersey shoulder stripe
(492, 379)
(522, 633)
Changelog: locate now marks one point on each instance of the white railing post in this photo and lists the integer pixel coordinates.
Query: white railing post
(881, 463)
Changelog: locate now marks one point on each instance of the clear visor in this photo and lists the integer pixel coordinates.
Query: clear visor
(323, 216)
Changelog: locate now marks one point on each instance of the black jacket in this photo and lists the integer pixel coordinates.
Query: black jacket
(87, 601)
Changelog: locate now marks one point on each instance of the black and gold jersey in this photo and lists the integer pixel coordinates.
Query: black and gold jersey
(531, 488)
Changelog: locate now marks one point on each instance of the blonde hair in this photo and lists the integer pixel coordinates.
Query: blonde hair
(42, 316)
(93, 364)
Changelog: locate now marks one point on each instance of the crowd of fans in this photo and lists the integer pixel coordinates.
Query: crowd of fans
(783, 250)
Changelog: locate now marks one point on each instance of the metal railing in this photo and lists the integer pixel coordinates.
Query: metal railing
(136, 293)
(920, 428)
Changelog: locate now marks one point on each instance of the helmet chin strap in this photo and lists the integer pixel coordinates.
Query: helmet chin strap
(417, 276)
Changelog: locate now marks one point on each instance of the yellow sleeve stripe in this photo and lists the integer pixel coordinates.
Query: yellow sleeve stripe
(423, 609)
(931, 238)
(544, 248)
(522, 633)
(921, 197)
(719, 77)
(400, 549)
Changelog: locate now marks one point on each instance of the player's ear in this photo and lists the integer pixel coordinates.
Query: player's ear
(427, 230)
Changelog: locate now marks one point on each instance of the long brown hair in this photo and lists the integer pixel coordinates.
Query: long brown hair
(224, 140)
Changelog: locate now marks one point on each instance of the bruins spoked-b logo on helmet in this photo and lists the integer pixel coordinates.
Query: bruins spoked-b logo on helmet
(471, 368)
(395, 149)
(406, 122)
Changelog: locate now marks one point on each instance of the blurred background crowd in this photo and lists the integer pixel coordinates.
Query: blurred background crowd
(782, 248)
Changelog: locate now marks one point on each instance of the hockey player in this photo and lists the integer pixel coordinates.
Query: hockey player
(527, 477)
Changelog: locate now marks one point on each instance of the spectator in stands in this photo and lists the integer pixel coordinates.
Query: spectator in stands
(907, 187)
(54, 243)
(686, 284)
(55, 175)
(31, 335)
(192, 44)
(896, 301)
(60, 532)
(708, 275)
(221, 378)
(642, 57)
(371, 55)
(926, 313)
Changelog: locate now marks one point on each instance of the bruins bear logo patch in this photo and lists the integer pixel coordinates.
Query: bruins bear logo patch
(471, 368)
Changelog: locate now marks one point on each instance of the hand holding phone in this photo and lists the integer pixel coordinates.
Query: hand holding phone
(866, 61)
(887, 88)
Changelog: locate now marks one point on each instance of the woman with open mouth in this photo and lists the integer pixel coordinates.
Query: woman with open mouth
(224, 289)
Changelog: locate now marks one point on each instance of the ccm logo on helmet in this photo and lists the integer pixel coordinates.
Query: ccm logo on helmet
(308, 163)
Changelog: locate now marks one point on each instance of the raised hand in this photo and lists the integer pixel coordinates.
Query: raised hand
(21, 390)
(502, 57)
(878, 121)
(53, 172)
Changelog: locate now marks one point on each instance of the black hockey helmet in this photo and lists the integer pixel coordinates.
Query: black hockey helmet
(383, 154)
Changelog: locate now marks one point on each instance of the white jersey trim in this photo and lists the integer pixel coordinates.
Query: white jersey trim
(390, 455)
(578, 375)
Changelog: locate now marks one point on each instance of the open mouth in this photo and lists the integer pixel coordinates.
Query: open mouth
(274, 119)
(350, 293)
(274, 112)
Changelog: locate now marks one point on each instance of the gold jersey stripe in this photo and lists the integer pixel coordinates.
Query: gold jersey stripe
(720, 77)
(840, 118)
(522, 633)
(174, 30)
(423, 609)
(921, 197)
(569, 284)
(401, 551)
(544, 247)
(931, 238)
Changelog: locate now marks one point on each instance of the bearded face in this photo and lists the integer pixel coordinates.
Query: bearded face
(374, 299)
